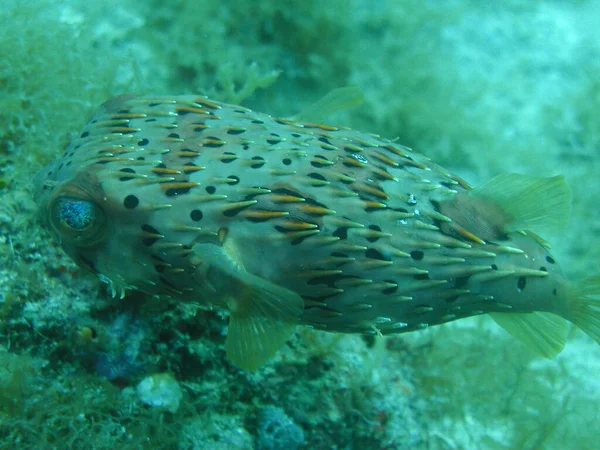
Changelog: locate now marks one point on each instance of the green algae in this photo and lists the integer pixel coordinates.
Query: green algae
(479, 89)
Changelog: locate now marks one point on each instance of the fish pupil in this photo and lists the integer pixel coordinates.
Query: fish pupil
(76, 214)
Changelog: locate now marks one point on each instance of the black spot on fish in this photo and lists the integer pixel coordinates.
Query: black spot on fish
(150, 120)
(260, 161)
(229, 158)
(378, 174)
(167, 283)
(375, 254)
(257, 122)
(143, 142)
(550, 259)
(85, 134)
(235, 179)
(461, 282)
(390, 290)
(451, 299)
(554, 291)
(215, 142)
(417, 255)
(521, 283)
(235, 131)
(281, 191)
(341, 232)
(324, 140)
(328, 280)
(374, 228)
(421, 276)
(298, 240)
(159, 268)
(235, 211)
(131, 201)
(173, 135)
(149, 240)
(177, 191)
(317, 176)
(494, 266)
(347, 181)
(286, 161)
(196, 215)
(211, 189)
(310, 201)
(126, 170)
(371, 209)
(543, 269)
(296, 135)
(319, 161)
(245, 146)
(258, 219)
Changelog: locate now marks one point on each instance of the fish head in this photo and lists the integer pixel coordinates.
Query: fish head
(91, 223)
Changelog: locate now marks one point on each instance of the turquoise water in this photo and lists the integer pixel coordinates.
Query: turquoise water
(481, 90)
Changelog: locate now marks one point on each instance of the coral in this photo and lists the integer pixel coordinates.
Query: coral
(276, 431)
(117, 353)
(215, 431)
(160, 390)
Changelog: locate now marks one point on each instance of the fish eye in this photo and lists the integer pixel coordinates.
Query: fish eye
(77, 220)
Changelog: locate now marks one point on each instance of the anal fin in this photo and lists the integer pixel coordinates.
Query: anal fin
(543, 333)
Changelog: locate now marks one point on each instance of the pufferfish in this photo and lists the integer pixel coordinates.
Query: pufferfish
(284, 222)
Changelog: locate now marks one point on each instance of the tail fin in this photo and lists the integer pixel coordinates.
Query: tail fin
(584, 306)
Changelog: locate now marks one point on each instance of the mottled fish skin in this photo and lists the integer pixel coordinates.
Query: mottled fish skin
(351, 222)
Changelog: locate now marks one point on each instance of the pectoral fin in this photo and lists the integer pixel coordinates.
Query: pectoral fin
(263, 315)
(537, 203)
(508, 203)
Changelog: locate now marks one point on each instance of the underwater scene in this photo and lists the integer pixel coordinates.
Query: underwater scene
(299, 225)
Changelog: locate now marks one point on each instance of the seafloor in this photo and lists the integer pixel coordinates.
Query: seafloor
(480, 87)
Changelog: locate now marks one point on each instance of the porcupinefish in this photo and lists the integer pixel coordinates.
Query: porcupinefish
(286, 222)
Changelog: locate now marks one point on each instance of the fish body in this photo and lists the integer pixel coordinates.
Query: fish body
(285, 222)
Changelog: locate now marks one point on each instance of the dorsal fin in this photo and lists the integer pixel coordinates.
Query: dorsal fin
(334, 101)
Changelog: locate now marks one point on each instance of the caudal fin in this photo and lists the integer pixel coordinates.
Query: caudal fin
(584, 306)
